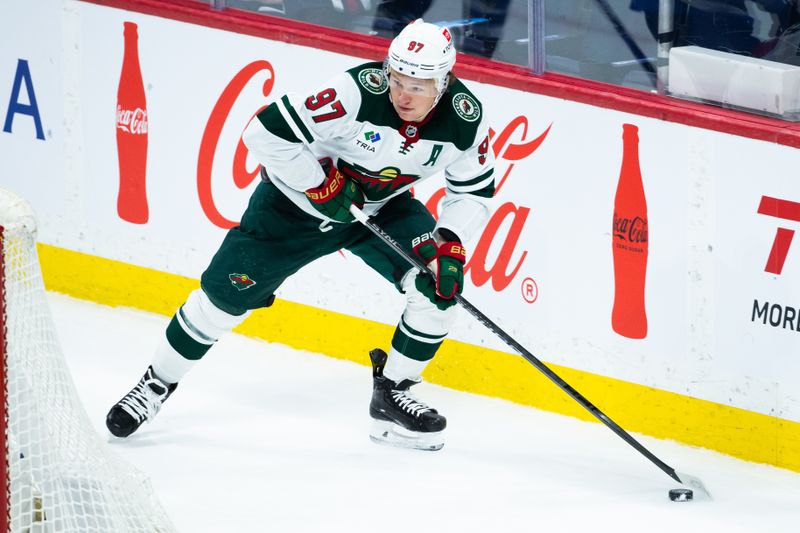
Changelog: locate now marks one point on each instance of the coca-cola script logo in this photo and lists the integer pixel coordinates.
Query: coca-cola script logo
(633, 230)
(506, 153)
(242, 177)
(132, 120)
(506, 224)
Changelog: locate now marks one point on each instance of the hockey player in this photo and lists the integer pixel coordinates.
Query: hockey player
(363, 139)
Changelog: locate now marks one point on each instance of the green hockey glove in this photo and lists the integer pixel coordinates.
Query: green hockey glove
(336, 194)
(446, 260)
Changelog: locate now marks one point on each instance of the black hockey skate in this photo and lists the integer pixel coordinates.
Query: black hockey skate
(141, 404)
(399, 418)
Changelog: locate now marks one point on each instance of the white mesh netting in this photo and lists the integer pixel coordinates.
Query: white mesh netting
(63, 477)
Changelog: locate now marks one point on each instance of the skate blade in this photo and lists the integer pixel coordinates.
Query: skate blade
(389, 433)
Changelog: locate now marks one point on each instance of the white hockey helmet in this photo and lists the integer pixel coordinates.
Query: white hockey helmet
(423, 50)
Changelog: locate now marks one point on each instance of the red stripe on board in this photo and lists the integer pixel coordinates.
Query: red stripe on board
(775, 207)
(780, 249)
(475, 68)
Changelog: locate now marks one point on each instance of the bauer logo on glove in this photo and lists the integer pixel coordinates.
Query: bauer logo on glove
(329, 188)
(456, 249)
(334, 196)
(446, 261)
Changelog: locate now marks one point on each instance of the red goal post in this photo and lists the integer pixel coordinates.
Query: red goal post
(58, 474)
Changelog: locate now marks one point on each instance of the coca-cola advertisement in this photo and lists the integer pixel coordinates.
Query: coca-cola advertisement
(629, 316)
(564, 264)
(132, 133)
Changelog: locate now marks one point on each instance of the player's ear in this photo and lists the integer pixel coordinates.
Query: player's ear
(451, 79)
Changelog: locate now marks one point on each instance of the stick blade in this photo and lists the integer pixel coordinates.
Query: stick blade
(694, 483)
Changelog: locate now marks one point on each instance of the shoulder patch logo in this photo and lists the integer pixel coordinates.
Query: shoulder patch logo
(466, 107)
(373, 80)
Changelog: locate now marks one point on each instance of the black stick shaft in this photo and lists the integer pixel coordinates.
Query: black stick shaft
(532, 359)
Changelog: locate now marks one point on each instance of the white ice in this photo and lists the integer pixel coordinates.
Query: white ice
(262, 437)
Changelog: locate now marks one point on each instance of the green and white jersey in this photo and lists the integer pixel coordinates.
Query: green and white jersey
(352, 121)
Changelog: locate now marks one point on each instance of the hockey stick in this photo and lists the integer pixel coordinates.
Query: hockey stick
(685, 479)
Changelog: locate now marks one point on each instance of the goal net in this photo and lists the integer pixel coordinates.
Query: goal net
(58, 474)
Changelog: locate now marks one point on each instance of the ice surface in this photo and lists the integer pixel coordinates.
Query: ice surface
(261, 437)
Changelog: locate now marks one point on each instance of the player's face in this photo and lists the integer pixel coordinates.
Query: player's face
(412, 98)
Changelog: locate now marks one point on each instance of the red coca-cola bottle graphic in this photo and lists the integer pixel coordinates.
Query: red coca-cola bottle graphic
(132, 133)
(629, 317)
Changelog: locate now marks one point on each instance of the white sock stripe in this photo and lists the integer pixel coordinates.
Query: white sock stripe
(420, 332)
(426, 340)
(191, 330)
(203, 321)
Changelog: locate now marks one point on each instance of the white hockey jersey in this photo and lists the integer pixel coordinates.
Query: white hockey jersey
(352, 121)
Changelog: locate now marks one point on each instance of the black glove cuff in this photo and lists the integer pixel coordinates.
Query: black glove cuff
(447, 235)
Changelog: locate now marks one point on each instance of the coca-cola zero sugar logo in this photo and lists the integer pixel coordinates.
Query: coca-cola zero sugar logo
(632, 230)
(506, 264)
(630, 244)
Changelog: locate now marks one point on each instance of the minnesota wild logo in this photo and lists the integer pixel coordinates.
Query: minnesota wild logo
(373, 80)
(466, 107)
(378, 184)
(241, 281)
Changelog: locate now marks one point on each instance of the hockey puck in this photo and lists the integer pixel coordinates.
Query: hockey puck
(681, 495)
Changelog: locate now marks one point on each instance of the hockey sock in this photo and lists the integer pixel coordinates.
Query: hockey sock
(420, 332)
(193, 330)
(399, 367)
(417, 344)
(168, 364)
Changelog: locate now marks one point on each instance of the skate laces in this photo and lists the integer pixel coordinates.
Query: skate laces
(143, 403)
(409, 403)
